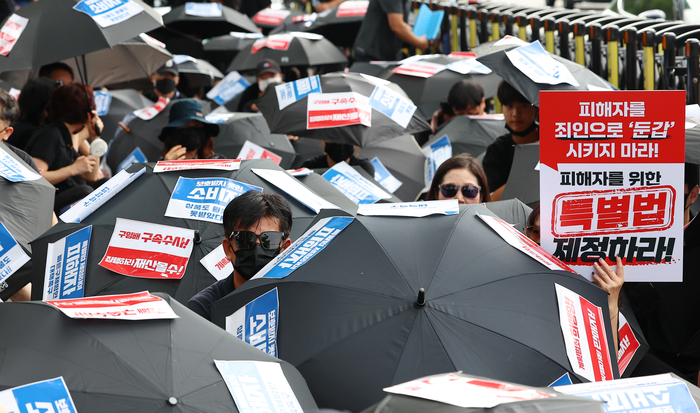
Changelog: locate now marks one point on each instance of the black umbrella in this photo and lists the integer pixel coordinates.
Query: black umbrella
(221, 50)
(25, 209)
(291, 49)
(206, 27)
(242, 127)
(267, 19)
(298, 23)
(57, 32)
(123, 102)
(179, 43)
(504, 44)
(512, 211)
(488, 309)
(196, 73)
(136, 366)
(471, 134)
(292, 119)
(524, 181)
(341, 24)
(306, 148)
(131, 204)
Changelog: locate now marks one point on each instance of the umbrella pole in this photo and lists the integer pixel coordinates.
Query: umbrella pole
(77, 65)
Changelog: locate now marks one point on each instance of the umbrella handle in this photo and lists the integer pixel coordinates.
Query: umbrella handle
(126, 128)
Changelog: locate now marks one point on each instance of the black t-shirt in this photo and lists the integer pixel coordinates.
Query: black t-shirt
(375, 38)
(52, 144)
(321, 161)
(201, 302)
(23, 131)
(498, 161)
(249, 96)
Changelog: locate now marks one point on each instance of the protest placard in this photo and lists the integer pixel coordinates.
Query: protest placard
(204, 199)
(49, 396)
(12, 256)
(66, 265)
(136, 306)
(108, 12)
(256, 322)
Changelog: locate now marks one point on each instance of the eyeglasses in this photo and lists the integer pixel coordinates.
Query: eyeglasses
(450, 190)
(4, 129)
(269, 240)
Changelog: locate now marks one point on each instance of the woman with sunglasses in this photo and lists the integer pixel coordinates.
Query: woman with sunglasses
(461, 177)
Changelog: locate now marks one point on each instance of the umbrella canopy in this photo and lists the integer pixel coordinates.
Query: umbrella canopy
(157, 189)
(136, 366)
(405, 160)
(306, 148)
(512, 211)
(206, 27)
(221, 50)
(355, 304)
(57, 32)
(341, 24)
(123, 102)
(242, 127)
(472, 134)
(524, 180)
(196, 73)
(399, 403)
(268, 19)
(292, 120)
(179, 43)
(288, 49)
(692, 142)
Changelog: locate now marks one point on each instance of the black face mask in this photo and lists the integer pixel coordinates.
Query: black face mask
(250, 261)
(529, 129)
(165, 86)
(191, 138)
(338, 151)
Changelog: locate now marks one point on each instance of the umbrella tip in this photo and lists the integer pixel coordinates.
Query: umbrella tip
(172, 401)
(420, 302)
(197, 237)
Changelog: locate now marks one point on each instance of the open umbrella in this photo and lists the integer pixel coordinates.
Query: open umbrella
(472, 134)
(221, 50)
(204, 27)
(306, 148)
(288, 49)
(196, 73)
(341, 24)
(115, 366)
(512, 211)
(268, 19)
(122, 103)
(487, 308)
(179, 43)
(57, 32)
(405, 160)
(131, 204)
(292, 120)
(524, 180)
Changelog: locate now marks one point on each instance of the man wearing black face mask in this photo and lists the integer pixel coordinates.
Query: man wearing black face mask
(256, 228)
(165, 81)
(336, 153)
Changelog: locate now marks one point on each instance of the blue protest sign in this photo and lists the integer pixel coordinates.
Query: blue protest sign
(534, 62)
(203, 9)
(14, 170)
(204, 199)
(108, 12)
(564, 380)
(291, 92)
(66, 263)
(12, 256)
(102, 102)
(314, 240)
(392, 105)
(353, 185)
(384, 177)
(136, 156)
(256, 323)
(49, 396)
(228, 88)
(437, 152)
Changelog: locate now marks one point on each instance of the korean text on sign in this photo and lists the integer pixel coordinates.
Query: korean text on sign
(12, 256)
(136, 306)
(66, 266)
(256, 323)
(109, 12)
(329, 110)
(204, 199)
(10, 32)
(44, 396)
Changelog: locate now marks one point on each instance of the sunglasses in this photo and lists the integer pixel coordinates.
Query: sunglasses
(269, 240)
(450, 190)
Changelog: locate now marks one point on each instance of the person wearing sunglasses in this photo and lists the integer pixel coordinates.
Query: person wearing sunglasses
(461, 177)
(256, 229)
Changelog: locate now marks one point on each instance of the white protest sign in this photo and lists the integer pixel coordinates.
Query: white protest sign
(256, 322)
(533, 61)
(384, 177)
(12, 256)
(145, 250)
(376, 81)
(14, 170)
(99, 196)
(10, 32)
(583, 328)
(437, 152)
(393, 105)
(410, 209)
(511, 40)
(628, 344)
(330, 110)
(14, 92)
(219, 117)
(46, 396)
(153, 110)
(228, 88)
(190, 164)
(217, 264)
(300, 172)
(203, 9)
(465, 66)
(137, 306)
(466, 391)
(274, 42)
(102, 101)
(241, 35)
(352, 9)
(108, 12)
(252, 150)
(258, 383)
(290, 92)
(271, 17)
(204, 199)
(295, 189)
(419, 69)
(693, 112)
(353, 185)
(66, 265)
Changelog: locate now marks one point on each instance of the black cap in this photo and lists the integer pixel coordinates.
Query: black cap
(267, 66)
(168, 67)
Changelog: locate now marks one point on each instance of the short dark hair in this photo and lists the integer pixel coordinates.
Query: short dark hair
(10, 109)
(47, 70)
(507, 94)
(533, 216)
(246, 210)
(34, 97)
(464, 161)
(465, 93)
(692, 175)
(71, 103)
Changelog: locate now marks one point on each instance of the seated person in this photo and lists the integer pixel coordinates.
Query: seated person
(521, 122)
(460, 177)
(466, 97)
(165, 81)
(335, 153)
(32, 102)
(268, 74)
(532, 230)
(188, 135)
(256, 228)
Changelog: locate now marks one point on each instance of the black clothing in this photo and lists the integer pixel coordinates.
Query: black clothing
(23, 131)
(321, 161)
(498, 161)
(375, 40)
(23, 156)
(249, 96)
(52, 144)
(202, 300)
(151, 95)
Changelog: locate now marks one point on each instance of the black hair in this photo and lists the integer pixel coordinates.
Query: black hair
(33, 99)
(47, 70)
(463, 161)
(692, 175)
(465, 93)
(71, 103)
(10, 109)
(246, 210)
(507, 94)
(533, 216)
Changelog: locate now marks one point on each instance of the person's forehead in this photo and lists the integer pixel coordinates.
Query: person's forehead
(264, 224)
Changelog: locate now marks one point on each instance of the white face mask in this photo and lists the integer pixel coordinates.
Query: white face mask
(263, 84)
